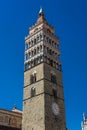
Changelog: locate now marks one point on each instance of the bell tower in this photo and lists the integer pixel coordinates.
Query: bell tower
(43, 101)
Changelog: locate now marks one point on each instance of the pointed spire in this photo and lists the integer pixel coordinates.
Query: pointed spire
(41, 12)
(41, 17)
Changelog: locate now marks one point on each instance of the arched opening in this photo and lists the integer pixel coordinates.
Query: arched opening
(33, 77)
(33, 91)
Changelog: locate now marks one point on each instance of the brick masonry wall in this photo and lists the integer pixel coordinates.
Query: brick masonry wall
(37, 110)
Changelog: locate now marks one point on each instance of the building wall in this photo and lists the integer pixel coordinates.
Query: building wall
(33, 107)
(10, 119)
(84, 123)
(52, 121)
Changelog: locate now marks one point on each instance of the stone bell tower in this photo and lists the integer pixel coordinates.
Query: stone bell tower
(43, 101)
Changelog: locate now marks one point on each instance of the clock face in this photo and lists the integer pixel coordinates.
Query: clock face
(55, 109)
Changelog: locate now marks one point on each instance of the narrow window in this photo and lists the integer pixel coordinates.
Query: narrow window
(60, 68)
(32, 53)
(40, 36)
(47, 39)
(9, 121)
(26, 46)
(34, 41)
(35, 52)
(57, 46)
(50, 41)
(30, 44)
(37, 49)
(37, 38)
(50, 52)
(26, 57)
(26, 67)
(33, 78)
(54, 93)
(40, 48)
(44, 37)
(33, 91)
(53, 78)
(35, 61)
(51, 62)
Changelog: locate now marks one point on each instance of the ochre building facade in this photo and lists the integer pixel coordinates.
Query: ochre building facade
(84, 123)
(10, 120)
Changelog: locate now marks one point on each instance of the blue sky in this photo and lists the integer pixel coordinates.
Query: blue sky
(69, 19)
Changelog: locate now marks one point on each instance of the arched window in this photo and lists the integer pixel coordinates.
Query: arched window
(51, 62)
(29, 54)
(40, 36)
(26, 67)
(47, 39)
(26, 57)
(29, 44)
(50, 41)
(54, 93)
(33, 91)
(26, 46)
(41, 58)
(44, 37)
(57, 46)
(34, 51)
(37, 38)
(34, 41)
(53, 77)
(38, 49)
(50, 52)
(35, 61)
(60, 68)
(47, 50)
(33, 77)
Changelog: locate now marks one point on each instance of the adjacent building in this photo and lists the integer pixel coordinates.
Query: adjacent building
(84, 123)
(10, 120)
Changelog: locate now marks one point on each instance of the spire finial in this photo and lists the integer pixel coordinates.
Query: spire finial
(41, 17)
(41, 11)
